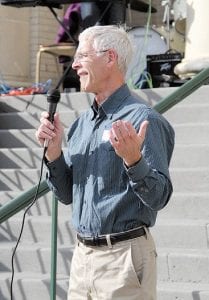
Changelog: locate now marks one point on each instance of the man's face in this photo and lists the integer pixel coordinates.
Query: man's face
(91, 67)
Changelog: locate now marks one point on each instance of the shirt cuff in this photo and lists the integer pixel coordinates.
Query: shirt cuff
(56, 166)
(138, 171)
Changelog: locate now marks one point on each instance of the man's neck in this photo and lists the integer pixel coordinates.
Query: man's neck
(101, 97)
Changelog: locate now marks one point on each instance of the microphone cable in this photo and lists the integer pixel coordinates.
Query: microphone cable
(53, 98)
(23, 223)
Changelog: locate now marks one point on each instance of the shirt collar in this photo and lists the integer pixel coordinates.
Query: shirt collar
(112, 103)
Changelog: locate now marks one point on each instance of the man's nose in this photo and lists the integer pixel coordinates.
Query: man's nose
(75, 64)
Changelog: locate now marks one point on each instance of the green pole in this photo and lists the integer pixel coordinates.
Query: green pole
(53, 249)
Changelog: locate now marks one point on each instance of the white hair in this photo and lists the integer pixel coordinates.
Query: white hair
(110, 37)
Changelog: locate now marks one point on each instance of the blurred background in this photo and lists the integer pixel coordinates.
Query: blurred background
(155, 27)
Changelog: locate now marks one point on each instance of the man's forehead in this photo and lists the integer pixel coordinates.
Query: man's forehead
(85, 46)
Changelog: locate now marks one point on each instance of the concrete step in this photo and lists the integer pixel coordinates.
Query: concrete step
(174, 265)
(173, 233)
(17, 120)
(194, 205)
(184, 156)
(190, 180)
(42, 207)
(19, 179)
(37, 229)
(82, 101)
(35, 259)
(38, 103)
(190, 156)
(183, 265)
(186, 134)
(26, 120)
(181, 114)
(181, 205)
(184, 180)
(182, 291)
(21, 158)
(153, 96)
(192, 133)
(181, 233)
(24, 138)
(30, 286)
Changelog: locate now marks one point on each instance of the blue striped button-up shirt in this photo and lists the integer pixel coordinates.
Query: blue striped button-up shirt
(107, 197)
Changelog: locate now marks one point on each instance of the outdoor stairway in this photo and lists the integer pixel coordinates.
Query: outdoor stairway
(181, 231)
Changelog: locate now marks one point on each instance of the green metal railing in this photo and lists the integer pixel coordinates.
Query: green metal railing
(22, 201)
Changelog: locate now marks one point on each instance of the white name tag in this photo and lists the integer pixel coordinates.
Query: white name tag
(106, 135)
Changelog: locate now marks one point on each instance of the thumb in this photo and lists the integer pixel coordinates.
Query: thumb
(142, 130)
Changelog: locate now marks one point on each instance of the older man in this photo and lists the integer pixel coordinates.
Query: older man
(114, 172)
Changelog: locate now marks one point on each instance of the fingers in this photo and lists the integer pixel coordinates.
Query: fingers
(119, 131)
(124, 132)
(46, 129)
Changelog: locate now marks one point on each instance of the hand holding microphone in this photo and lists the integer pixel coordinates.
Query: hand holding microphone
(50, 132)
(53, 98)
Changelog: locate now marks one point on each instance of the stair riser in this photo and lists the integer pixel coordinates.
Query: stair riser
(29, 121)
(177, 208)
(182, 295)
(190, 156)
(191, 236)
(38, 103)
(192, 134)
(183, 180)
(26, 120)
(188, 236)
(185, 135)
(192, 181)
(172, 267)
(183, 267)
(187, 206)
(21, 138)
(38, 289)
(22, 158)
(189, 114)
(33, 289)
(37, 261)
(38, 231)
(82, 101)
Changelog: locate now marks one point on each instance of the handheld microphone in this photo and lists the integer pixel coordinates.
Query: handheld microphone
(53, 98)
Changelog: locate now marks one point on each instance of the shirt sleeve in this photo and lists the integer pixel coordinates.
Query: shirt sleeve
(150, 178)
(59, 179)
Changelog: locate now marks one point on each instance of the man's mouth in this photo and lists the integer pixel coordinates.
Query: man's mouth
(80, 74)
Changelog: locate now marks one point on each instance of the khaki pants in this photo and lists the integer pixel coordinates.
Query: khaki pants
(127, 271)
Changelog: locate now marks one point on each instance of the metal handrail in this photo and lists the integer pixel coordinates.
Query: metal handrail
(15, 205)
(23, 200)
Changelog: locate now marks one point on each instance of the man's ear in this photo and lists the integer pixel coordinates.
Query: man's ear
(112, 56)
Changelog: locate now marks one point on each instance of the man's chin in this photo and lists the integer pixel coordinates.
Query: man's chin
(84, 88)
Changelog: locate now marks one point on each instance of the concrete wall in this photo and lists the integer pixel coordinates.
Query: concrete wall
(22, 30)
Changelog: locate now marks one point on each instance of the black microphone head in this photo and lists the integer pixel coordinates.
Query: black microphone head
(53, 96)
